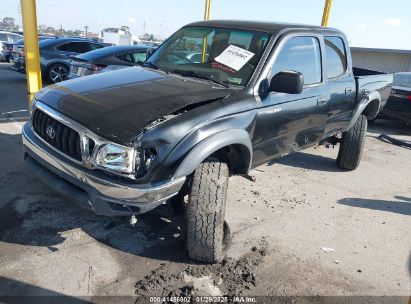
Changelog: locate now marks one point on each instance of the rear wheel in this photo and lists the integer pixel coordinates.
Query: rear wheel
(352, 145)
(207, 233)
(57, 73)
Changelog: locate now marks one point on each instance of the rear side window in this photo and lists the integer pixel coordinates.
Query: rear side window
(94, 46)
(64, 47)
(80, 47)
(4, 37)
(336, 57)
(300, 54)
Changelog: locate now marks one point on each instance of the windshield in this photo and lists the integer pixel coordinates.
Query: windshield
(223, 55)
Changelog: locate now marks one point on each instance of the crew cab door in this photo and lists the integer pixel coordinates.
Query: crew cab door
(290, 122)
(340, 84)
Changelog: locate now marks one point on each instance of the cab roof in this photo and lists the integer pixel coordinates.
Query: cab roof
(262, 26)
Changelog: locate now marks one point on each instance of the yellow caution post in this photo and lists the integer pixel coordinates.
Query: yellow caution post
(207, 10)
(31, 47)
(326, 13)
(206, 17)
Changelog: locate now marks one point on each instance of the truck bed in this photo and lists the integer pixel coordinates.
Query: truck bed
(368, 81)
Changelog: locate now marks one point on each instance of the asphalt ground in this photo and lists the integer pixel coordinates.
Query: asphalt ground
(281, 225)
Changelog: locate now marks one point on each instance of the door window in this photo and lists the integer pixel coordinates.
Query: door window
(125, 57)
(300, 54)
(336, 57)
(14, 37)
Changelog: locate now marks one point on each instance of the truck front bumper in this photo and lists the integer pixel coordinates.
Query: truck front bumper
(94, 190)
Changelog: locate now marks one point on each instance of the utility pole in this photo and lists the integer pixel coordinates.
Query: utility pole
(85, 31)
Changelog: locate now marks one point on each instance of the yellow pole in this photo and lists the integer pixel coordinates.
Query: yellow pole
(207, 10)
(31, 47)
(206, 17)
(326, 13)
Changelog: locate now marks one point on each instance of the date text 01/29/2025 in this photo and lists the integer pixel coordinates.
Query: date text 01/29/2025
(203, 299)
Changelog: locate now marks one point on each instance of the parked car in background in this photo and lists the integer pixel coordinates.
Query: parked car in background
(399, 103)
(6, 39)
(19, 46)
(55, 56)
(107, 59)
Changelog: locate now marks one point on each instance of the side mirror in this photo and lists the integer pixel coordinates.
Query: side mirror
(150, 52)
(290, 82)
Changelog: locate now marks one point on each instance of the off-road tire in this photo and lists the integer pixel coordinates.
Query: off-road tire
(206, 229)
(352, 145)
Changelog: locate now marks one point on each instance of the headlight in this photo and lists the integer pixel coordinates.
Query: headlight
(116, 158)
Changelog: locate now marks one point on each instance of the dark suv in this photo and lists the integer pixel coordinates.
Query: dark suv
(55, 56)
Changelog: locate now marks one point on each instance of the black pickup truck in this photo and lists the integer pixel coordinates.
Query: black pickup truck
(124, 142)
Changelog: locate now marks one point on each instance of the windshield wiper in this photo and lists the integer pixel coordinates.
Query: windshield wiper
(199, 75)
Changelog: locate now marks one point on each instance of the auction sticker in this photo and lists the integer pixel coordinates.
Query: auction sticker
(234, 57)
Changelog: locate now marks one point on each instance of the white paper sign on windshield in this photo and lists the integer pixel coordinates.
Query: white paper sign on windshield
(234, 57)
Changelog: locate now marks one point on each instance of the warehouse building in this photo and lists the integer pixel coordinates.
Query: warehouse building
(382, 60)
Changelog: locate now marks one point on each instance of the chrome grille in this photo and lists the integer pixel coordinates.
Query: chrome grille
(57, 134)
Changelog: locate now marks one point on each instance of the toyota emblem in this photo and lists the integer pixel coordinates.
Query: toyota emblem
(50, 132)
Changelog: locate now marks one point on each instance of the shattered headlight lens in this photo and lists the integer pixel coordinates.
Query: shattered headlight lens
(116, 158)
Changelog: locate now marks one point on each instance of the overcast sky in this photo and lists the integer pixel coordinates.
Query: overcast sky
(367, 23)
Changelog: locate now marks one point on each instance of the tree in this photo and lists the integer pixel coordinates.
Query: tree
(50, 30)
(8, 24)
(125, 29)
(42, 29)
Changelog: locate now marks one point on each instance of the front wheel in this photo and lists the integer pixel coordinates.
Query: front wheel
(206, 230)
(352, 145)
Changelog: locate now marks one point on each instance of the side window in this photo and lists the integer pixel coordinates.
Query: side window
(336, 57)
(125, 57)
(94, 46)
(139, 57)
(300, 54)
(64, 47)
(80, 47)
(14, 38)
(4, 37)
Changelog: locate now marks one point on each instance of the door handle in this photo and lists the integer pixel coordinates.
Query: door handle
(348, 90)
(322, 100)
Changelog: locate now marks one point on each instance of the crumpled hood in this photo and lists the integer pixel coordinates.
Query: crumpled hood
(118, 105)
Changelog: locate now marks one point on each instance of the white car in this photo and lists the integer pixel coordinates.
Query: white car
(6, 39)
